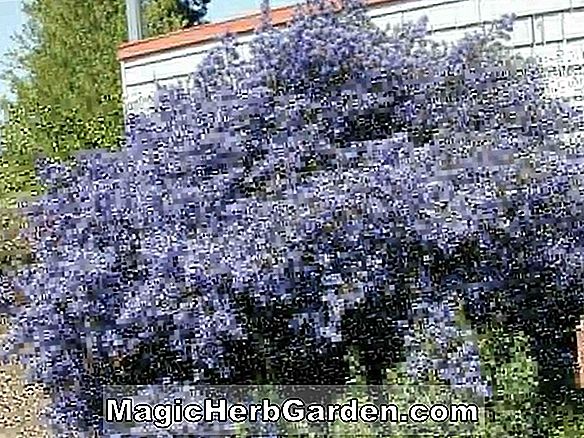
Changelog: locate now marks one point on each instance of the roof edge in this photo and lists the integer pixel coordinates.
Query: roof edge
(205, 33)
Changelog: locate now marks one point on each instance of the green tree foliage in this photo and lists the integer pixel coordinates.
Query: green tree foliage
(65, 77)
(164, 16)
(513, 374)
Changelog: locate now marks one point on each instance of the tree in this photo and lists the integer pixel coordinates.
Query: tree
(164, 16)
(306, 202)
(65, 78)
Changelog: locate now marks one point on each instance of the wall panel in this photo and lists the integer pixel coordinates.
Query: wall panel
(543, 28)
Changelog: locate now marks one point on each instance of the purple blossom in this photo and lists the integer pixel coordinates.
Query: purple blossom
(284, 206)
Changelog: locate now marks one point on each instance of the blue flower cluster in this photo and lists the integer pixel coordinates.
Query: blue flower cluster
(286, 208)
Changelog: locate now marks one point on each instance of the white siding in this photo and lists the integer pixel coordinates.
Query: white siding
(449, 14)
(388, 21)
(574, 24)
(549, 28)
(544, 27)
(492, 9)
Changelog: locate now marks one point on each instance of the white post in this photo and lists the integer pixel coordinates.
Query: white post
(134, 19)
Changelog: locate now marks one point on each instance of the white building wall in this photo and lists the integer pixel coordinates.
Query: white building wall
(552, 29)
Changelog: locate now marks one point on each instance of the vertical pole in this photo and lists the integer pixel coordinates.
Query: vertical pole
(134, 19)
(580, 345)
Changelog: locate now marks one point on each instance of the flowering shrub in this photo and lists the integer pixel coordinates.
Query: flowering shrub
(321, 195)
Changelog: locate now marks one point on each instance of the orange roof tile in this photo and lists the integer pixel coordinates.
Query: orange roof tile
(208, 32)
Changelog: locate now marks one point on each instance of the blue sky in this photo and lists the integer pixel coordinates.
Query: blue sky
(222, 9)
(11, 21)
(12, 18)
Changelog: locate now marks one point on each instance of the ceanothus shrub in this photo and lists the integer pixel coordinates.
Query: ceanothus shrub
(310, 200)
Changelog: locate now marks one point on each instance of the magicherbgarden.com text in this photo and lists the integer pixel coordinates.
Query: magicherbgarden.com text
(293, 410)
